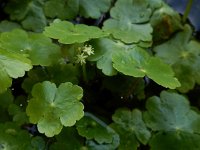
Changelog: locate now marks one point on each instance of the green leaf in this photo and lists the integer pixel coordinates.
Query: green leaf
(6, 99)
(28, 12)
(98, 134)
(174, 120)
(175, 141)
(12, 66)
(128, 32)
(65, 9)
(13, 138)
(183, 54)
(38, 47)
(136, 62)
(135, 11)
(6, 26)
(19, 116)
(103, 50)
(38, 143)
(131, 128)
(94, 8)
(130, 21)
(68, 33)
(91, 129)
(53, 107)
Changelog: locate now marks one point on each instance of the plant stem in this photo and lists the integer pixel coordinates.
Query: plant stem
(187, 10)
(84, 73)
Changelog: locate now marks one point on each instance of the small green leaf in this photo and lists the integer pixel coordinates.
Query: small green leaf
(89, 128)
(53, 107)
(174, 120)
(94, 8)
(65, 9)
(131, 127)
(98, 134)
(136, 62)
(68, 33)
(39, 48)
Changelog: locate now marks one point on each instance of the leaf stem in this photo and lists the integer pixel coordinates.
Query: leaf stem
(187, 10)
(84, 73)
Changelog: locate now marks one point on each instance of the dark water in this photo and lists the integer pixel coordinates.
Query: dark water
(194, 15)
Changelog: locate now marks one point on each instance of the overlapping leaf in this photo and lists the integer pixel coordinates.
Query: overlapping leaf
(176, 123)
(39, 48)
(103, 51)
(94, 8)
(28, 12)
(11, 66)
(131, 128)
(183, 54)
(130, 21)
(6, 26)
(137, 62)
(99, 135)
(13, 138)
(53, 107)
(65, 9)
(68, 33)
(165, 22)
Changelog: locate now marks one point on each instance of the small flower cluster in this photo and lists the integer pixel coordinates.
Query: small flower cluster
(83, 53)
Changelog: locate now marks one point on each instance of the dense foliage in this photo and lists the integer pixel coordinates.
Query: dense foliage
(98, 75)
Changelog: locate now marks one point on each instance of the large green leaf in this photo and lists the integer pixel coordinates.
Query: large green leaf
(94, 8)
(12, 65)
(183, 54)
(131, 128)
(68, 33)
(65, 9)
(39, 48)
(137, 62)
(130, 21)
(28, 12)
(53, 107)
(176, 124)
